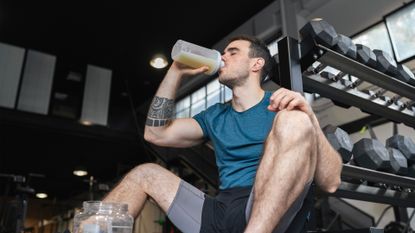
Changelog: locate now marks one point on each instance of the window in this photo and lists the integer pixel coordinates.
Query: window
(198, 101)
(402, 32)
(183, 108)
(213, 93)
(375, 38)
(273, 47)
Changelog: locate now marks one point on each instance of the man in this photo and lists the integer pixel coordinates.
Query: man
(269, 148)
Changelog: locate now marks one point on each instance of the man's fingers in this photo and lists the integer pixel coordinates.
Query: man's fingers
(293, 104)
(278, 98)
(284, 102)
(199, 70)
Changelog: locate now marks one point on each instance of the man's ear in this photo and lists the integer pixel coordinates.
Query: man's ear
(259, 63)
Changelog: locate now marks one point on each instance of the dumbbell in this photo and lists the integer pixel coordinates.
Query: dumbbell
(323, 33)
(365, 55)
(340, 141)
(385, 64)
(404, 74)
(371, 153)
(406, 146)
(319, 31)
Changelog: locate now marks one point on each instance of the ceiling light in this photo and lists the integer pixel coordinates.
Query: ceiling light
(41, 195)
(159, 61)
(80, 171)
(87, 123)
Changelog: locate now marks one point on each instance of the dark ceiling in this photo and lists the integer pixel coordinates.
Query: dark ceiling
(114, 34)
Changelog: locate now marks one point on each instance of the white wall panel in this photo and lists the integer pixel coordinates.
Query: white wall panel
(37, 82)
(11, 61)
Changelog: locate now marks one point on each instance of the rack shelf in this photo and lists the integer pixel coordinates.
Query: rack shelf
(375, 194)
(353, 97)
(357, 69)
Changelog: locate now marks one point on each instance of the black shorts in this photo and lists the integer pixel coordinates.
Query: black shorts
(192, 211)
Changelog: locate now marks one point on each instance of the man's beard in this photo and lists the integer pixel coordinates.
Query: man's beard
(233, 82)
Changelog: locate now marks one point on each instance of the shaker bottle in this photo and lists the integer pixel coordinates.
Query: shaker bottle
(196, 56)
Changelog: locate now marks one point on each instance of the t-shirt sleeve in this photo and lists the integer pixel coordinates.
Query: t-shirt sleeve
(201, 119)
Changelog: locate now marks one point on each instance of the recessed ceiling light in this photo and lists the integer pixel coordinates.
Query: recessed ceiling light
(87, 123)
(41, 195)
(80, 171)
(159, 61)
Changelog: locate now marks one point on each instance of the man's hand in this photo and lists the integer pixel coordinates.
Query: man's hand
(185, 71)
(287, 99)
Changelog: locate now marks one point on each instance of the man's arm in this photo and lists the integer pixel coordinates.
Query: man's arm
(161, 129)
(329, 163)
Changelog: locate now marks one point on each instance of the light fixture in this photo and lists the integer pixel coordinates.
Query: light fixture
(159, 61)
(41, 195)
(80, 171)
(87, 123)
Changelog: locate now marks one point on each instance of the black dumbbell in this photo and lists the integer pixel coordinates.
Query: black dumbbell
(366, 56)
(385, 63)
(404, 74)
(372, 154)
(319, 31)
(406, 146)
(345, 46)
(340, 141)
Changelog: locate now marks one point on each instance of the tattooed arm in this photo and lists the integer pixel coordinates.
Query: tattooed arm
(161, 129)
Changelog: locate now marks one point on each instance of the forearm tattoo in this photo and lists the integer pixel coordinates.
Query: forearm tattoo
(160, 112)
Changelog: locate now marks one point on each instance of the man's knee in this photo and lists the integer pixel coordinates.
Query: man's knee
(143, 174)
(293, 123)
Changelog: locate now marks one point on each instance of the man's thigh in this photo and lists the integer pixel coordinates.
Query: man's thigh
(289, 216)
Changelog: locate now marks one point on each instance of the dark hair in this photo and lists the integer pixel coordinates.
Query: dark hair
(258, 49)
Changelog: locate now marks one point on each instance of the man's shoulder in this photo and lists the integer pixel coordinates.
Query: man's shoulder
(218, 106)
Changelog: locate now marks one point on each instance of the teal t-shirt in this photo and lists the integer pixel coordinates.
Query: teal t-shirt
(238, 139)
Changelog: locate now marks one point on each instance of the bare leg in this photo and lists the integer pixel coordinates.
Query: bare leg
(288, 163)
(147, 180)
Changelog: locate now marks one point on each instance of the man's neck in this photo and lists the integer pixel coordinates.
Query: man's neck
(246, 96)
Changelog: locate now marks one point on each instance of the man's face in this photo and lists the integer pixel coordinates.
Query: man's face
(237, 63)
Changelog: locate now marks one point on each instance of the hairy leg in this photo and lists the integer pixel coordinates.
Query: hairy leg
(288, 163)
(142, 182)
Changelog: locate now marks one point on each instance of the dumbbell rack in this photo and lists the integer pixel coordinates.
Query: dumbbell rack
(293, 75)
(337, 91)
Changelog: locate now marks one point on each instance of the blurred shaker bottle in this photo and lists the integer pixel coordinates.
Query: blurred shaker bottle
(196, 56)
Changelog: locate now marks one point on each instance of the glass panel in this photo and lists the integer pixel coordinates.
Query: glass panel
(182, 104)
(198, 107)
(213, 98)
(273, 47)
(213, 86)
(228, 94)
(184, 113)
(375, 38)
(198, 95)
(402, 32)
